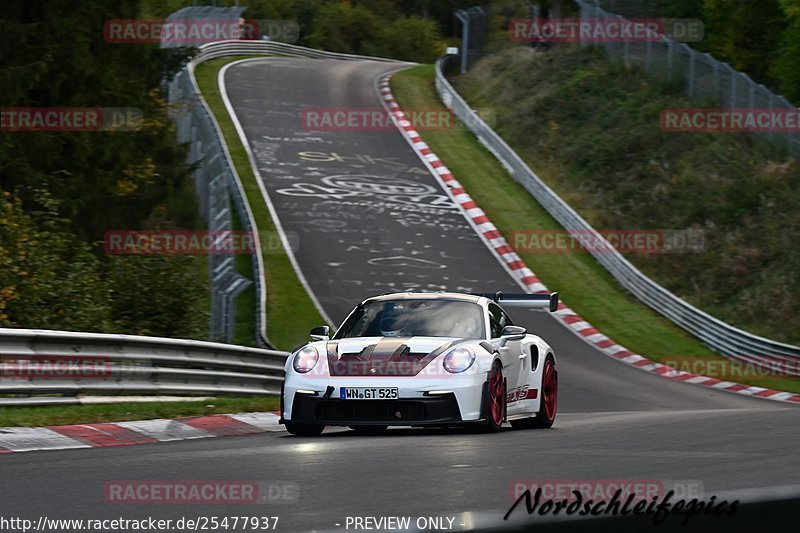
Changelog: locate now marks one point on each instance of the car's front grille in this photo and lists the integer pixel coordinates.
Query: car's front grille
(371, 411)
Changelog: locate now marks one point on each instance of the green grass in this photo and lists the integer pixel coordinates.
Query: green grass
(580, 280)
(46, 415)
(290, 311)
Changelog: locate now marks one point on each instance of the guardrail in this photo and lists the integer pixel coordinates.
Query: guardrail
(61, 362)
(227, 48)
(216, 176)
(720, 336)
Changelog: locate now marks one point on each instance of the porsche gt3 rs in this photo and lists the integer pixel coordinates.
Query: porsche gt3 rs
(423, 359)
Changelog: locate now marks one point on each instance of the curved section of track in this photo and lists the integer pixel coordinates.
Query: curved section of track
(364, 217)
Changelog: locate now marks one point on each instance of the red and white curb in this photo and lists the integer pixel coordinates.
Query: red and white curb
(528, 279)
(20, 439)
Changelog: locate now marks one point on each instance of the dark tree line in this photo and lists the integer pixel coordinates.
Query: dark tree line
(61, 191)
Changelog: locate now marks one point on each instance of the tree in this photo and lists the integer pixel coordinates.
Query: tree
(746, 34)
(48, 278)
(409, 38)
(341, 27)
(786, 68)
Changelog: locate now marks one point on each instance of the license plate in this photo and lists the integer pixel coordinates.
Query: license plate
(368, 393)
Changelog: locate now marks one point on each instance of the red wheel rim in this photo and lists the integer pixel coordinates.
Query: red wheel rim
(496, 395)
(549, 390)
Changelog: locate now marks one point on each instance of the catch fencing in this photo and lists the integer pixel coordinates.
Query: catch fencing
(704, 78)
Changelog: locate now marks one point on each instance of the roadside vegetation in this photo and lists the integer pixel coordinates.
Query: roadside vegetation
(761, 38)
(590, 128)
(580, 280)
(61, 191)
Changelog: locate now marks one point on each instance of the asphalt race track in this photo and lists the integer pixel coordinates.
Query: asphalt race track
(365, 217)
(362, 213)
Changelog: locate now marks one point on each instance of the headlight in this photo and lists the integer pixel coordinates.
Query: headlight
(459, 360)
(305, 359)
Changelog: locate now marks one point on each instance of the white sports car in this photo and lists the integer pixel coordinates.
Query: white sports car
(423, 359)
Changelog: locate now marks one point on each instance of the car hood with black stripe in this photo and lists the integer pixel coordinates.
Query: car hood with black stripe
(386, 356)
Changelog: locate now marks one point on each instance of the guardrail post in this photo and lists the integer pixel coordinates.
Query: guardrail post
(670, 53)
(463, 16)
(716, 65)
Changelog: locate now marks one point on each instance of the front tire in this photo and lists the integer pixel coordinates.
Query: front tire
(495, 406)
(547, 407)
(304, 430)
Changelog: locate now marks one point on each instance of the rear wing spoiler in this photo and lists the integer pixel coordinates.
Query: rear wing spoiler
(523, 300)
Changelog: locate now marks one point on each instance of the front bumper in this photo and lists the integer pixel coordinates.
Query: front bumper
(304, 401)
(441, 409)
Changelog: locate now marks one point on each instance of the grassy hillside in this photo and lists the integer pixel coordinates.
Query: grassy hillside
(591, 130)
(581, 281)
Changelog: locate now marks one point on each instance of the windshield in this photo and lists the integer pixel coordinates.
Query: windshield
(408, 318)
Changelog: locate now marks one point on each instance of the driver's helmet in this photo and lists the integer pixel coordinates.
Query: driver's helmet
(390, 325)
(466, 328)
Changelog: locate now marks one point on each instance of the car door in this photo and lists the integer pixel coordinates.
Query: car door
(510, 353)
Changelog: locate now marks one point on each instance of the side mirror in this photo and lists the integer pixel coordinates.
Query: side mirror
(321, 333)
(512, 333)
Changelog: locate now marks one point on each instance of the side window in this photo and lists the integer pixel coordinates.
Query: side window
(496, 317)
(505, 320)
(499, 320)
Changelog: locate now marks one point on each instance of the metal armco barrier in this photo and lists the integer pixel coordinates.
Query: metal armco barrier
(719, 336)
(60, 362)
